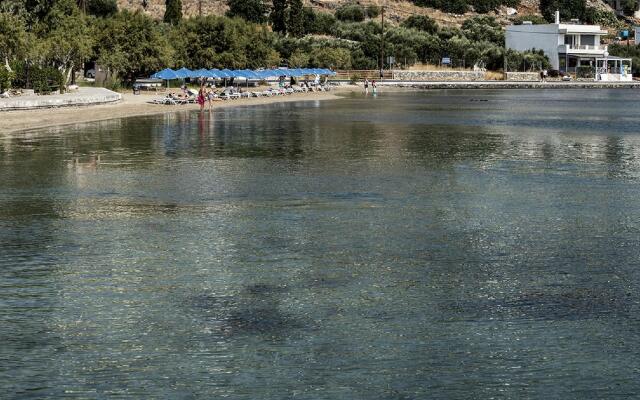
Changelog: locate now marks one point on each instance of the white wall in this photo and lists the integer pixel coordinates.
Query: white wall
(541, 37)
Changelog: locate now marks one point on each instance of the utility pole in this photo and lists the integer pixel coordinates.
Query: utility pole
(200, 8)
(382, 46)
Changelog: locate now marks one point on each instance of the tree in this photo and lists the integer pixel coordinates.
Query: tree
(69, 44)
(568, 9)
(629, 7)
(102, 8)
(173, 12)
(279, 16)
(299, 59)
(295, 19)
(350, 13)
(13, 38)
(421, 23)
(335, 58)
(131, 45)
(483, 28)
(324, 23)
(372, 11)
(220, 42)
(250, 10)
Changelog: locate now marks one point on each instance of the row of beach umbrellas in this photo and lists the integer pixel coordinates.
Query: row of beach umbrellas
(169, 74)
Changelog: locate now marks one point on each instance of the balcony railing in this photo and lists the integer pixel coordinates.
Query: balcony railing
(568, 47)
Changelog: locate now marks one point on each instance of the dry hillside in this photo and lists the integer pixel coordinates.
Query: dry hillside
(397, 10)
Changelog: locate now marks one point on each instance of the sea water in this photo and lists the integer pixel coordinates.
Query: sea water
(421, 245)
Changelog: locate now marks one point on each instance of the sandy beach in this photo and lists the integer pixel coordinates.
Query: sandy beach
(131, 106)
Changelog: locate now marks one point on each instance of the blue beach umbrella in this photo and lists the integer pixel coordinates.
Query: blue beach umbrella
(238, 73)
(251, 74)
(203, 73)
(223, 74)
(269, 73)
(184, 73)
(166, 74)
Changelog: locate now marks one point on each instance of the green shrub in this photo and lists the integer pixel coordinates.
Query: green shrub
(112, 83)
(5, 79)
(421, 23)
(42, 80)
(102, 8)
(354, 79)
(46, 80)
(350, 13)
(600, 17)
(530, 60)
(585, 71)
(534, 19)
(372, 11)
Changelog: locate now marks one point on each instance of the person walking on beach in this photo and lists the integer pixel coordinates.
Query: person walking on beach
(210, 96)
(201, 97)
(366, 86)
(374, 86)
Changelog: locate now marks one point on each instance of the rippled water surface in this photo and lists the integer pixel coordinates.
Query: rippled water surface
(456, 244)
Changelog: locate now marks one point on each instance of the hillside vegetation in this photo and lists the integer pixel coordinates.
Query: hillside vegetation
(43, 41)
(445, 12)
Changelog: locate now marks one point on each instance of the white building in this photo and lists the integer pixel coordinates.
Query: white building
(567, 45)
(570, 46)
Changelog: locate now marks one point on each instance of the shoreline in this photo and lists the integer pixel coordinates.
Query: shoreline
(134, 106)
(130, 105)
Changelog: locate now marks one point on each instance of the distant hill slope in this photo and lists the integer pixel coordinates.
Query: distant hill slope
(397, 10)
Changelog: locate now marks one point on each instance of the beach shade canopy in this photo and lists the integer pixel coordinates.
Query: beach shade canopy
(184, 73)
(298, 72)
(251, 74)
(269, 73)
(166, 74)
(215, 73)
(228, 73)
(203, 73)
(261, 73)
(238, 73)
(223, 74)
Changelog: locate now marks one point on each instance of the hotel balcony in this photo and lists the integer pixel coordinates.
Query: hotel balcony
(582, 49)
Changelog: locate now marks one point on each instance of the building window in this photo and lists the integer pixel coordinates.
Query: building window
(588, 40)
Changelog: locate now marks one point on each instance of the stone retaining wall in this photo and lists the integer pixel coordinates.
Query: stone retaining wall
(523, 76)
(438, 76)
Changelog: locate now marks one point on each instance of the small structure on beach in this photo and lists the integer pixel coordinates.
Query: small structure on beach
(570, 47)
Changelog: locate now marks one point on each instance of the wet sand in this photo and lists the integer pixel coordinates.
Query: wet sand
(131, 106)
